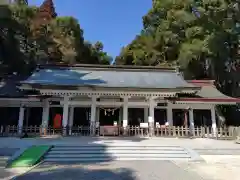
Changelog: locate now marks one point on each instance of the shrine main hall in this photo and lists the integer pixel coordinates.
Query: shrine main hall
(101, 95)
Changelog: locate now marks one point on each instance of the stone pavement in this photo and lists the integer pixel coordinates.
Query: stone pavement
(222, 161)
(5, 154)
(136, 170)
(188, 143)
(119, 170)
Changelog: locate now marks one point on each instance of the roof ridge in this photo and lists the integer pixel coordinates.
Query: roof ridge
(108, 67)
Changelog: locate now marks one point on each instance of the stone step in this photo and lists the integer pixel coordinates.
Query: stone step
(110, 152)
(116, 151)
(105, 159)
(3, 161)
(115, 145)
(129, 155)
(80, 148)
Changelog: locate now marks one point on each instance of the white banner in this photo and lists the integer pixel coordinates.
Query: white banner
(143, 125)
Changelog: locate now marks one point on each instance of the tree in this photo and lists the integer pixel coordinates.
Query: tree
(200, 36)
(46, 11)
(68, 37)
(32, 35)
(46, 49)
(60, 39)
(94, 54)
(164, 31)
(20, 2)
(12, 54)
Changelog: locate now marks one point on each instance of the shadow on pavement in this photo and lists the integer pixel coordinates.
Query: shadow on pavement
(73, 152)
(8, 151)
(5, 154)
(4, 173)
(78, 158)
(76, 172)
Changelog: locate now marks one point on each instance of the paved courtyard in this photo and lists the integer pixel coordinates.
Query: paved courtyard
(136, 170)
(221, 162)
(119, 170)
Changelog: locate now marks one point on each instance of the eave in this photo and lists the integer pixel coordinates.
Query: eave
(230, 101)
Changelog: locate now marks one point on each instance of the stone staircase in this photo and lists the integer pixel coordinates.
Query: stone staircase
(3, 161)
(105, 153)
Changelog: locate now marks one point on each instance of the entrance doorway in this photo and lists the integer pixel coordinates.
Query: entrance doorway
(9, 116)
(160, 116)
(179, 117)
(81, 116)
(107, 116)
(33, 116)
(135, 116)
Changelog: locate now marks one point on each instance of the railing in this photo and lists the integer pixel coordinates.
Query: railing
(230, 132)
(15, 130)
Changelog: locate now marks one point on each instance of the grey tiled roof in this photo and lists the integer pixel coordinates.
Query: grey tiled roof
(211, 92)
(8, 87)
(113, 78)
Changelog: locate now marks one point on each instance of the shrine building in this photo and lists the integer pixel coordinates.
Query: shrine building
(101, 95)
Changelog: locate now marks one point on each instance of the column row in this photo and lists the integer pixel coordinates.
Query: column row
(67, 118)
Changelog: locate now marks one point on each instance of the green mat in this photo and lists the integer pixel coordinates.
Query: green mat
(30, 156)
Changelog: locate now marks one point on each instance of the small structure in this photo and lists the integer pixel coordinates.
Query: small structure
(123, 96)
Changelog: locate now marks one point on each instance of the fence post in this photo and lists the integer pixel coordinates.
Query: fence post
(174, 131)
(238, 135)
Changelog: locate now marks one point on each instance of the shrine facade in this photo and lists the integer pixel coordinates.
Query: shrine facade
(94, 96)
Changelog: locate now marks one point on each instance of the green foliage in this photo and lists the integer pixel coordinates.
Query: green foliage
(12, 42)
(31, 35)
(201, 37)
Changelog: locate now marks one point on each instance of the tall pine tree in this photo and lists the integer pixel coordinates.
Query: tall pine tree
(21, 2)
(42, 32)
(46, 13)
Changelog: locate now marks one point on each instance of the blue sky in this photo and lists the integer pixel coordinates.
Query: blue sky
(113, 22)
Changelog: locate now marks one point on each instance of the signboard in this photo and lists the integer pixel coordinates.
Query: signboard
(157, 125)
(125, 123)
(143, 125)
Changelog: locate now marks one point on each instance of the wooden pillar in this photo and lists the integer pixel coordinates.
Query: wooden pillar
(21, 119)
(93, 115)
(65, 114)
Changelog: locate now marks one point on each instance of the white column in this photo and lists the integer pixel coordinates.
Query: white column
(151, 111)
(125, 112)
(169, 116)
(151, 116)
(93, 114)
(65, 113)
(45, 114)
(20, 119)
(191, 121)
(97, 114)
(71, 116)
(146, 114)
(214, 124)
(98, 117)
(120, 122)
